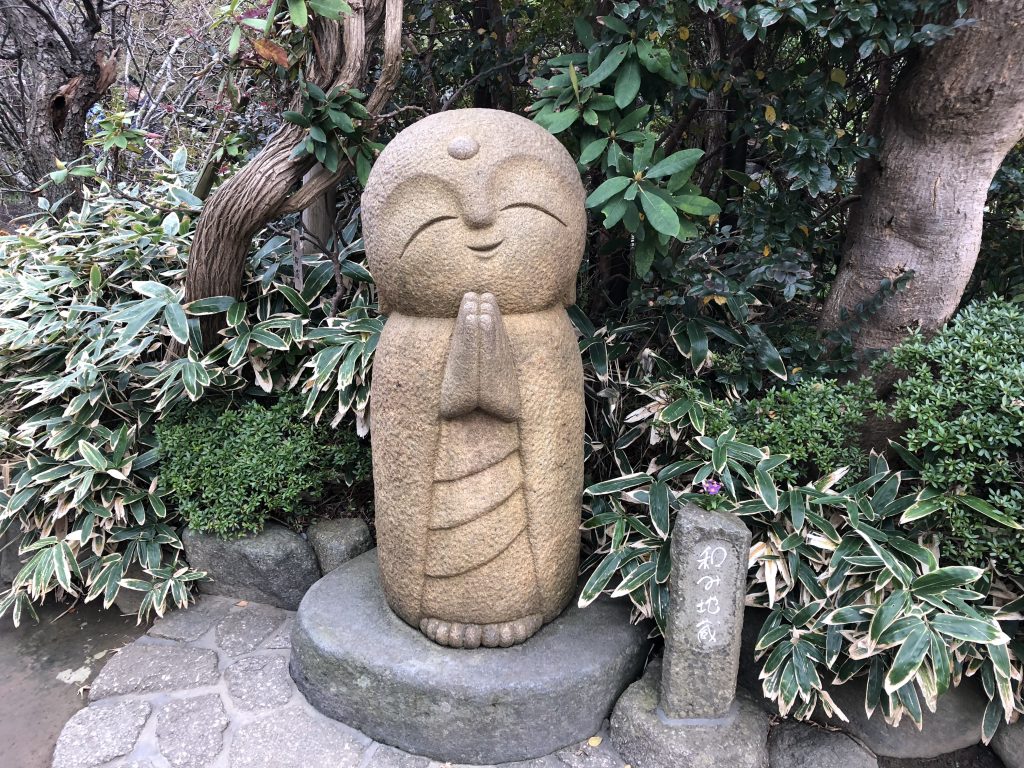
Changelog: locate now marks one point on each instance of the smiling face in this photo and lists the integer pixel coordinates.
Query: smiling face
(474, 200)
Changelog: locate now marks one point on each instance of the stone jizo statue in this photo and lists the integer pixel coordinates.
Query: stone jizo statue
(474, 224)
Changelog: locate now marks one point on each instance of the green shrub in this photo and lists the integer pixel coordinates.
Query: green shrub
(230, 467)
(815, 423)
(963, 399)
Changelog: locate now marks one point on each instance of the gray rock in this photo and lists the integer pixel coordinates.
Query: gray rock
(359, 663)
(188, 624)
(793, 744)
(956, 723)
(1009, 744)
(100, 733)
(548, 761)
(702, 641)
(643, 738)
(10, 561)
(259, 682)
(149, 667)
(128, 601)
(750, 669)
(388, 757)
(338, 541)
(585, 756)
(243, 631)
(276, 566)
(191, 731)
(296, 738)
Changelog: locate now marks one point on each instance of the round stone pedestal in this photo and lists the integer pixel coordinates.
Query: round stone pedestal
(357, 662)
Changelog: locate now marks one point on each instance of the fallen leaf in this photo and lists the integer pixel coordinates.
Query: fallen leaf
(594, 741)
(271, 51)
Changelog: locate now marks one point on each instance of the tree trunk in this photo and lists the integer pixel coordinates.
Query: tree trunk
(714, 119)
(318, 219)
(953, 115)
(62, 73)
(263, 189)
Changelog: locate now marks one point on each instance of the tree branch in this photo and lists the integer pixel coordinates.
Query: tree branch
(472, 81)
(52, 22)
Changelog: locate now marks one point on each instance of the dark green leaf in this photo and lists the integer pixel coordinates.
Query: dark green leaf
(659, 213)
(607, 190)
(659, 498)
(627, 84)
(607, 67)
(683, 161)
(599, 578)
(908, 659)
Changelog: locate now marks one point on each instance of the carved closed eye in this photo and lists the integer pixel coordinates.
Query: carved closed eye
(438, 219)
(425, 225)
(535, 207)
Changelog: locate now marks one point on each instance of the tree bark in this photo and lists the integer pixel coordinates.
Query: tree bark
(952, 117)
(714, 121)
(62, 72)
(263, 189)
(318, 219)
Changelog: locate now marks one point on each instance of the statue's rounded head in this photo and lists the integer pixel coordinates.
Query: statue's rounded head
(474, 200)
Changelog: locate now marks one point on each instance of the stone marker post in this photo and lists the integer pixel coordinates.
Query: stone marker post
(684, 713)
(707, 587)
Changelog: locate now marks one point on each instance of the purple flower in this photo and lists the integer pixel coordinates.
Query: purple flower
(711, 487)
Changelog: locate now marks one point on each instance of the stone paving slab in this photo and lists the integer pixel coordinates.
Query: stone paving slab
(260, 682)
(190, 731)
(98, 734)
(242, 631)
(195, 622)
(209, 687)
(282, 639)
(145, 668)
(297, 738)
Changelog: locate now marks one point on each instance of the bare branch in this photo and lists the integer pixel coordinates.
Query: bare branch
(392, 57)
(472, 81)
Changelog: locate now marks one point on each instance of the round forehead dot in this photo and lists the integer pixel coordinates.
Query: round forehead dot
(463, 147)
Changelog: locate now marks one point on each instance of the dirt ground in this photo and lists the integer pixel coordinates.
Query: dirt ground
(43, 668)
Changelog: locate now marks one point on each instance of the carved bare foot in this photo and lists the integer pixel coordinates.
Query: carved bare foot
(500, 635)
(461, 384)
(499, 387)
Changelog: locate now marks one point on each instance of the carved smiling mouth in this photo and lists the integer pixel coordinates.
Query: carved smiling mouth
(486, 250)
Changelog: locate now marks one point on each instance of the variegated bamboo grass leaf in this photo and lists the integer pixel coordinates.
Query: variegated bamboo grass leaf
(854, 589)
(84, 369)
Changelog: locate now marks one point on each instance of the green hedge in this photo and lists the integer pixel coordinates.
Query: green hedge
(230, 468)
(962, 395)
